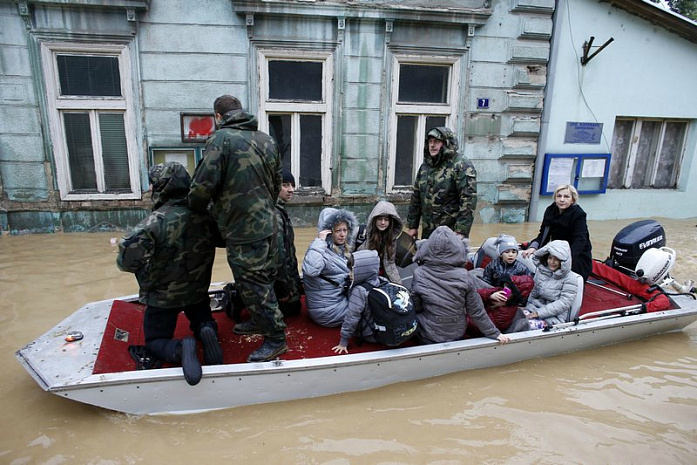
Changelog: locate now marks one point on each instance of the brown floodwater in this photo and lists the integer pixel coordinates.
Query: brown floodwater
(629, 403)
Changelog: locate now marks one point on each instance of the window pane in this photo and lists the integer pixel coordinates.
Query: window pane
(666, 172)
(295, 80)
(279, 129)
(80, 156)
(406, 150)
(621, 141)
(419, 83)
(89, 75)
(114, 151)
(434, 122)
(311, 150)
(648, 140)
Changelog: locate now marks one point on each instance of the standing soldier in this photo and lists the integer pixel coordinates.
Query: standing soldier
(445, 188)
(171, 253)
(288, 284)
(240, 176)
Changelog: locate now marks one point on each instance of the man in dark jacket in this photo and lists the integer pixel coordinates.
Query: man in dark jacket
(445, 188)
(288, 284)
(171, 253)
(240, 177)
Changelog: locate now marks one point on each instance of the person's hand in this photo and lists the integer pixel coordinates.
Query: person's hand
(527, 252)
(503, 339)
(499, 297)
(532, 315)
(324, 233)
(339, 349)
(412, 232)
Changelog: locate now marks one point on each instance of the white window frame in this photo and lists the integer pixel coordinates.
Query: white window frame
(296, 108)
(628, 169)
(421, 110)
(57, 104)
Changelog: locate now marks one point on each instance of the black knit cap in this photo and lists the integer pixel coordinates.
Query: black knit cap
(288, 177)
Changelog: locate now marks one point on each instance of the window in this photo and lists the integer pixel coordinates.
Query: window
(425, 94)
(296, 104)
(646, 153)
(91, 119)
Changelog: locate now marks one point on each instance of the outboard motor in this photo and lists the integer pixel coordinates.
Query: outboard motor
(654, 265)
(632, 241)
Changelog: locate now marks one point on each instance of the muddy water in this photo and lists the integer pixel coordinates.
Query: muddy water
(632, 403)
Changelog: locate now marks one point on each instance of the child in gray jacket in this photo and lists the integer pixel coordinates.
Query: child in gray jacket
(556, 286)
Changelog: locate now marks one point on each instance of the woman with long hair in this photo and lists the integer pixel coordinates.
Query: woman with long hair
(382, 229)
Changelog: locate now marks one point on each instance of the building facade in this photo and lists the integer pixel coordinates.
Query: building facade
(93, 92)
(98, 91)
(622, 85)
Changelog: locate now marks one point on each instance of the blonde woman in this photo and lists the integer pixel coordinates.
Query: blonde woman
(565, 220)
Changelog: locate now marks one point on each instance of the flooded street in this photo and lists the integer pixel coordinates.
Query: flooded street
(630, 403)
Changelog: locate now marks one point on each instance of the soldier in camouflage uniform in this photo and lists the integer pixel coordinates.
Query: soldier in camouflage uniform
(445, 188)
(288, 284)
(171, 253)
(240, 177)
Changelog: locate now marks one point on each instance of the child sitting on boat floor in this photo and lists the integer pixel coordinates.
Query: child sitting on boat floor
(556, 286)
(444, 293)
(512, 283)
(358, 318)
(171, 252)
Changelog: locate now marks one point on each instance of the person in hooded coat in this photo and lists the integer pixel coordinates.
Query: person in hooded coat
(556, 286)
(326, 267)
(445, 187)
(171, 252)
(382, 229)
(443, 291)
(358, 319)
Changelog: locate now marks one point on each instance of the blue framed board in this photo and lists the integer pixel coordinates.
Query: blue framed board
(587, 172)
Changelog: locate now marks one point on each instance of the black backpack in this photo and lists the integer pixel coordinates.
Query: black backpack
(394, 317)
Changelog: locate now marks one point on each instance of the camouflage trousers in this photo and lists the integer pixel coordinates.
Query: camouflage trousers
(254, 266)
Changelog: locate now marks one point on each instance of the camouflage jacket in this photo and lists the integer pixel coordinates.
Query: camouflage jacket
(171, 251)
(287, 258)
(445, 190)
(241, 175)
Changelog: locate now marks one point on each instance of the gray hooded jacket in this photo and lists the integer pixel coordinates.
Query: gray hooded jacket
(325, 270)
(444, 293)
(384, 208)
(358, 319)
(554, 292)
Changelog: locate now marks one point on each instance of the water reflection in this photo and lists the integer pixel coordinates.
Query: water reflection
(632, 403)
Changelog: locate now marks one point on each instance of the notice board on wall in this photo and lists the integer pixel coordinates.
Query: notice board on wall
(588, 173)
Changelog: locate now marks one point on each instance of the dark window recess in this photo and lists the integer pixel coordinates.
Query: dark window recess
(114, 151)
(295, 80)
(83, 75)
(423, 84)
(311, 150)
(80, 156)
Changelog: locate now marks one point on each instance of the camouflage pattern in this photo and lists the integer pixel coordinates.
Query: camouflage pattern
(240, 174)
(171, 251)
(240, 177)
(287, 285)
(254, 268)
(445, 190)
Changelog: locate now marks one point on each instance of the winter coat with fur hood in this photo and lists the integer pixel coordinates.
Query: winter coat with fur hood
(326, 272)
(384, 208)
(443, 291)
(554, 292)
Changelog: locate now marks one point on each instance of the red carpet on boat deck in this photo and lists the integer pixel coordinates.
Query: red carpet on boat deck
(305, 338)
(125, 327)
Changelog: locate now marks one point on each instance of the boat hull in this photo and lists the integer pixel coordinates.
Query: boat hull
(65, 369)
